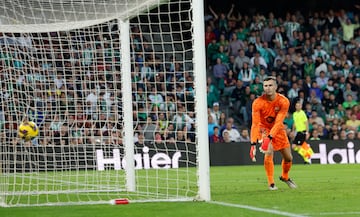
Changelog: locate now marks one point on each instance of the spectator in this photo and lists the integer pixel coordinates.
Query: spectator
(320, 65)
(256, 87)
(320, 53)
(226, 137)
(234, 134)
(181, 119)
(334, 129)
(350, 135)
(315, 92)
(343, 135)
(212, 49)
(268, 31)
(181, 136)
(211, 125)
(356, 111)
(246, 74)
(348, 91)
(162, 122)
(349, 102)
(224, 57)
(223, 42)
(353, 123)
(235, 45)
(260, 61)
(307, 85)
(140, 140)
(322, 80)
(212, 92)
(291, 26)
(332, 116)
(215, 112)
(251, 50)
(244, 135)
(240, 60)
(331, 21)
(293, 92)
(169, 133)
(156, 98)
(326, 101)
(221, 19)
(149, 130)
(229, 83)
(308, 67)
(219, 72)
(348, 29)
(301, 99)
(279, 39)
(215, 138)
(229, 120)
(323, 132)
(314, 118)
(314, 135)
(209, 36)
(55, 125)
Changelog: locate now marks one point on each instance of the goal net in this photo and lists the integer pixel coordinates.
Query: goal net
(117, 89)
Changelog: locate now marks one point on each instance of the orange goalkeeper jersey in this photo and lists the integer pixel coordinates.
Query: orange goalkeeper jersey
(268, 118)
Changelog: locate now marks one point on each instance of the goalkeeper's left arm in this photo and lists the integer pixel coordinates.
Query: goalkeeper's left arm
(253, 152)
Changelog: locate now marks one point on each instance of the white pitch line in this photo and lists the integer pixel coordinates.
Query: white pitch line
(271, 211)
(336, 213)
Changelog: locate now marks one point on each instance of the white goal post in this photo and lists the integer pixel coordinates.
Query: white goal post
(118, 90)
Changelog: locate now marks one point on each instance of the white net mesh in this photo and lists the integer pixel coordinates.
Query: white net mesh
(48, 15)
(61, 67)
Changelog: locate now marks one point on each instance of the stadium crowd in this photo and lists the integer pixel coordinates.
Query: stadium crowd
(314, 56)
(70, 83)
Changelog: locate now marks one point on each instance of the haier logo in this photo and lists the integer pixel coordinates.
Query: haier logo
(142, 161)
(337, 155)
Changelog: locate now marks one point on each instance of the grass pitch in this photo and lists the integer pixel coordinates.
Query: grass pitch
(323, 190)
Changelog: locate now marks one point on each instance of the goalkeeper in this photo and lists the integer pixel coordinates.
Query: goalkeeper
(267, 130)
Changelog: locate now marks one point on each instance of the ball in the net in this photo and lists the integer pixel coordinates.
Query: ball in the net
(28, 130)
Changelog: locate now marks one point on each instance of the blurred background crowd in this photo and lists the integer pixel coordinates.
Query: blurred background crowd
(70, 83)
(314, 56)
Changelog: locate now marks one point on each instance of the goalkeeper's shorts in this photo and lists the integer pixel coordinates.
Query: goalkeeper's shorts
(280, 141)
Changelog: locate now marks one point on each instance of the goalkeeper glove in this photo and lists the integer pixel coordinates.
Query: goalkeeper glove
(253, 152)
(265, 144)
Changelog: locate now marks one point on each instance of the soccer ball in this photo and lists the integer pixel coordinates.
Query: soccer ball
(28, 130)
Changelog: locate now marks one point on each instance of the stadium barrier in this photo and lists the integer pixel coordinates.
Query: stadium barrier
(98, 157)
(36, 159)
(325, 152)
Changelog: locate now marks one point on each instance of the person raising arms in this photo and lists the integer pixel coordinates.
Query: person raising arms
(267, 129)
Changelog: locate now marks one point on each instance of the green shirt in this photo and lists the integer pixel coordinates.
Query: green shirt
(347, 104)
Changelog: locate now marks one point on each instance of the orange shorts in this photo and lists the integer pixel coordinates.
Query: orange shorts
(280, 141)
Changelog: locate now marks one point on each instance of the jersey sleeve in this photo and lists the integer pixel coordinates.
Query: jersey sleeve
(280, 117)
(255, 126)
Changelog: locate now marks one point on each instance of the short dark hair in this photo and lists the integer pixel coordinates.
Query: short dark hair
(269, 78)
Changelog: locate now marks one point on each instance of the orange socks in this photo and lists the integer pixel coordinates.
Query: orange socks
(269, 168)
(285, 169)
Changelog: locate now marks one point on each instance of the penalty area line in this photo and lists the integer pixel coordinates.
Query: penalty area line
(336, 213)
(258, 209)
